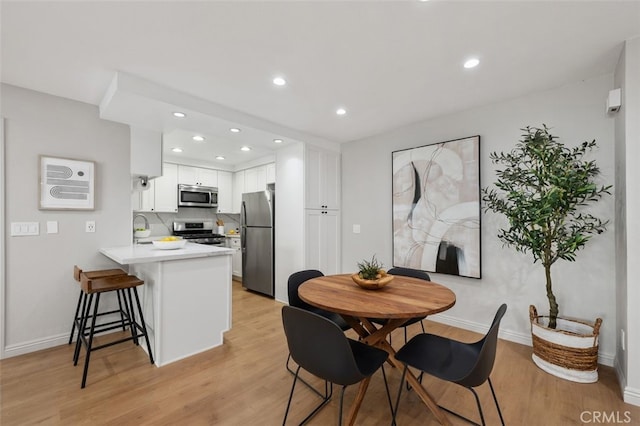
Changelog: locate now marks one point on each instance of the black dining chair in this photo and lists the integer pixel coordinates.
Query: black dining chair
(320, 347)
(466, 364)
(295, 281)
(405, 272)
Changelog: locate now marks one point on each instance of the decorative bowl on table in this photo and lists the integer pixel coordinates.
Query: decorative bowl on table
(370, 275)
(169, 244)
(141, 233)
(375, 284)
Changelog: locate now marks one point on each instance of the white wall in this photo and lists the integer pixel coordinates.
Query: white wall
(627, 135)
(40, 291)
(289, 215)
(584, 289)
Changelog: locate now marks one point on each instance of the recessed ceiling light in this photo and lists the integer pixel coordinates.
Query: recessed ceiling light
(198, 138)
(234, 130)
(177, 150)
(245, 148)
(341, 111)
(471, 63)
(279, 81)
(277, 140)
(179, 114)
(219, 157)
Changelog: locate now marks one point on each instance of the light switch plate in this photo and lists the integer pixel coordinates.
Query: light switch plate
(23, 229)
(52, 227)
(356, 229)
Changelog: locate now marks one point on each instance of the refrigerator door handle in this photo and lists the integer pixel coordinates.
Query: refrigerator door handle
(243, 227)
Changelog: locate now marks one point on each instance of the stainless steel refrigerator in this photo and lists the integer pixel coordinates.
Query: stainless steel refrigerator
(257, 220)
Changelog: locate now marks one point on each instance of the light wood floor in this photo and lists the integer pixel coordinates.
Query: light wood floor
(244, 382)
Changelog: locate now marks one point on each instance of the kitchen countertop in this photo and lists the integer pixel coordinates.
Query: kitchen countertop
(145, 253)
(232, 235)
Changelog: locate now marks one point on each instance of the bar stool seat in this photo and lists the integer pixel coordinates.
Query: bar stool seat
(102, 273)
(126, 285)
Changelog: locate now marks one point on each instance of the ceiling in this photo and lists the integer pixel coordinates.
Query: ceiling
(387, 63)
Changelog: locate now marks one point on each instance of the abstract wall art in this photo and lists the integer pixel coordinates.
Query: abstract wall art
(66, 184)
(436, 207)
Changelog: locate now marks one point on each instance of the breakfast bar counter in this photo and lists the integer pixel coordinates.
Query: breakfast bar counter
(186, 296)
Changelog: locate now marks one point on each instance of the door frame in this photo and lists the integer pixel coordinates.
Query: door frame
(3, 269)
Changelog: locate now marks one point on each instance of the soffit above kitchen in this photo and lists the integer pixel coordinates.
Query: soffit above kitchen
(205, 133)
(387, 63)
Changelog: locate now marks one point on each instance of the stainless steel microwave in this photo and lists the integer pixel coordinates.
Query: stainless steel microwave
(197, 196)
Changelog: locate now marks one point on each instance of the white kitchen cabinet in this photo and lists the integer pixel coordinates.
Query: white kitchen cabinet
(234, 243)
(251, 180)
(257, 178)
(322, 179)
(190, 175)
(143, 201)
(162, 195)
(271, 172)
(166, 189)
(238, 189)
(225, 192)
(322, 240)
(261, 174)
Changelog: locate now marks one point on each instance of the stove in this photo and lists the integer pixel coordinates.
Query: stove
(200, 232)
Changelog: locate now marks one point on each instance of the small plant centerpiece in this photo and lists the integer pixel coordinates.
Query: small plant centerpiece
(370, 275)
(542, 190)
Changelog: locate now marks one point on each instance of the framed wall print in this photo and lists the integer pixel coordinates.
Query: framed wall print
(66, 184)
(436, 207)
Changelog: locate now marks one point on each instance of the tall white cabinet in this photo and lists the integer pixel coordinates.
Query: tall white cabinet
(322, 210)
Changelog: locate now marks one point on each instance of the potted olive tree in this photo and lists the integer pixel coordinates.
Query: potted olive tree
(543, 188)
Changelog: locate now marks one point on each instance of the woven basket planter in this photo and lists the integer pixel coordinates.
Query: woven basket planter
(570, 351)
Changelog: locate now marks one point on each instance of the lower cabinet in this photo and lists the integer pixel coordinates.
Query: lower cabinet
(236, 260)
(322, 240)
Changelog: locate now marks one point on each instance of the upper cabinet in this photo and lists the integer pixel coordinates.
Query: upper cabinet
(162, 195)
(271, 173)
(251, 180)
(189, 175)
(225, 192)
(322, 179)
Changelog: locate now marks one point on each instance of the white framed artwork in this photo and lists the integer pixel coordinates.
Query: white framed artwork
(66, 184)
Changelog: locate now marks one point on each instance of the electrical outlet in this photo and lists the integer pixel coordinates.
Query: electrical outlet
(623, 339)
(90, 226)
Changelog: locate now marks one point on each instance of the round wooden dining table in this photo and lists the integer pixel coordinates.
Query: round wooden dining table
(400, 300)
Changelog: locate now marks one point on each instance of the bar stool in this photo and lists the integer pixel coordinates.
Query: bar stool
(77, 275)
(95, 287)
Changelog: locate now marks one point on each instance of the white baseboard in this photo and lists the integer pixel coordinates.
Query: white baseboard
(35, 345)
(632, 396)
(629, 395)
(510, 335)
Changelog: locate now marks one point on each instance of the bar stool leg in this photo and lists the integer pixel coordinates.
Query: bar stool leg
(132, 318)
(144, 327)
(75, 318)
(86, 309)
(90, 342)
(121, 311)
